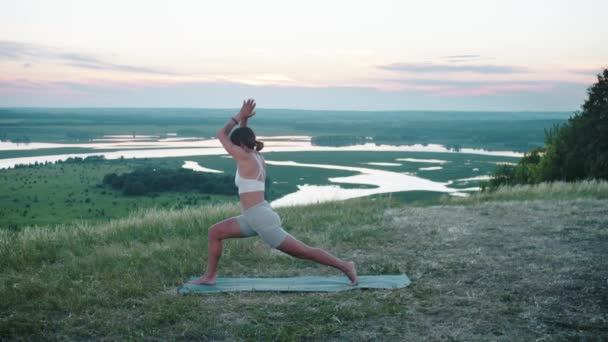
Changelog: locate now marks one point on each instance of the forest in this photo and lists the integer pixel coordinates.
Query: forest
(574, 150)
(151, 180)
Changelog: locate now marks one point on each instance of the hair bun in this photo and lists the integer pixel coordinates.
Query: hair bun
(259, 145)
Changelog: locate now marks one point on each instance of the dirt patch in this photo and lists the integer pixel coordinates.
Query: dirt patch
(512, 269)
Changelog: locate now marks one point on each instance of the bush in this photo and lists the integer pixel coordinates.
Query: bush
(578, 149)
(575, 150)
(527, 171)
(134, 189)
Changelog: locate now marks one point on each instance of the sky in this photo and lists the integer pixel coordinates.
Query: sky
(482, 55)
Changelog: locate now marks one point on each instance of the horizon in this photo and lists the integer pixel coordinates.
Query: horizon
(304, 110)
(341, 55)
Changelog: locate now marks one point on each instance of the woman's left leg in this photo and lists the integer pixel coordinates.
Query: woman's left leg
(229, 228)
(298, 249)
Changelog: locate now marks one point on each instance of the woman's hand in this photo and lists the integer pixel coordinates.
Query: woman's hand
(247, 110)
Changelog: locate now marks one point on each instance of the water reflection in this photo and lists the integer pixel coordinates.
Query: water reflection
(127, 154)
(182, 148)
(194, 166)
(414, 160)
(385, 182)
(476, 178)
(302, 143)
(383, 164)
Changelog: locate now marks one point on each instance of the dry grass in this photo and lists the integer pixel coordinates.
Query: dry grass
(488, 270)
(552, 191)
(505, 270)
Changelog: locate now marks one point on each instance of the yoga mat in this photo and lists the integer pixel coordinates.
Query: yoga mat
(298, 284)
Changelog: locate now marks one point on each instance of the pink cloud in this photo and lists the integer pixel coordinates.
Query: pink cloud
(493, 89)
(446, 87)
(26, 86)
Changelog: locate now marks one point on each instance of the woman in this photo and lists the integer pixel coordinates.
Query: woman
(257, 217)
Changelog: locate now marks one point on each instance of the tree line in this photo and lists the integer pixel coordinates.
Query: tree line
(575, 150)
(149, 180)
(70, 160)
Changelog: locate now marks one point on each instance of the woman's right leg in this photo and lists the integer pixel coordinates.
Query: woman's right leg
(223, 230)
(298, 249)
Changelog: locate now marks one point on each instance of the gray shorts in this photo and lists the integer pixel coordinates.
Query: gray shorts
(263, 221)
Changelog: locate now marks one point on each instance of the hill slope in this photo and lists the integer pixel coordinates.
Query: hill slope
(481, 269)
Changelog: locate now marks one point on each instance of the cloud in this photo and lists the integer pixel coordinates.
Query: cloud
(444, 68)
(462, 58)
(24, 51)
(557, 96)
(14, 50)
(440, 87)
(587, 71)
(457, 83)
(98, 65)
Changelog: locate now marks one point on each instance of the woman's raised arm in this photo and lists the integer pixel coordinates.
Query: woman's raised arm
(247, 111)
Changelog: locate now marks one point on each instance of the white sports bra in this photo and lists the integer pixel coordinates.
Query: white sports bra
(250, 185)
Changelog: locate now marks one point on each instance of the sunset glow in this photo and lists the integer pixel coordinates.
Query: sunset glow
(477, 55)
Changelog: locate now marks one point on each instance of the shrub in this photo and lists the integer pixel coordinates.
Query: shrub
(575, 150)
(134, 189)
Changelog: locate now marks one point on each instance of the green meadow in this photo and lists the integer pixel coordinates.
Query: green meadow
(47, 195)
(64, 192)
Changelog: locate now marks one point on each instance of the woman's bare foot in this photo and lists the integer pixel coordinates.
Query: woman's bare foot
(351, 273)
(204, 280)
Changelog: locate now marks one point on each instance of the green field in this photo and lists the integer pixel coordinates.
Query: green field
(481, 270)
(62, 193)
(54, 195)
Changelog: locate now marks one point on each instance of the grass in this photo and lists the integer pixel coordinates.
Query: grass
(556, 191)
(53, 194)
(488, 270)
